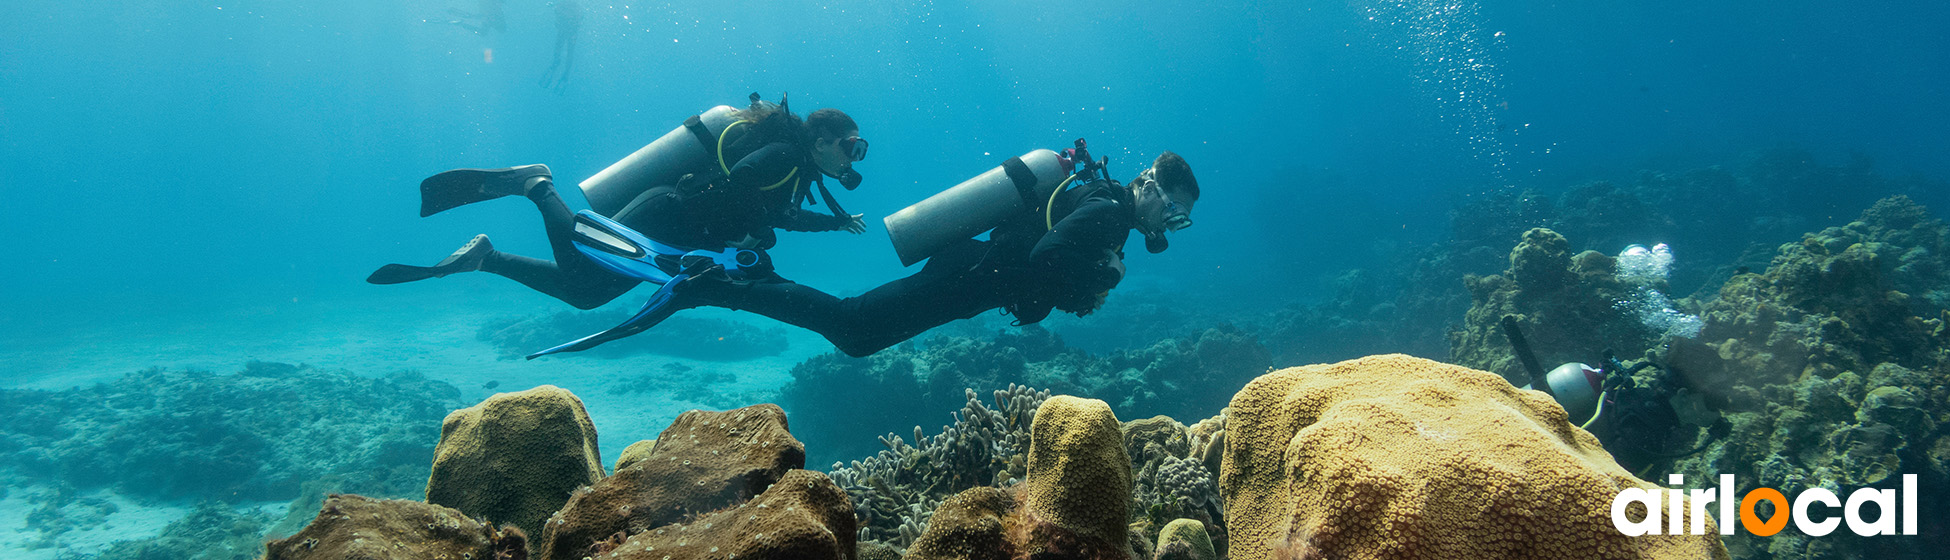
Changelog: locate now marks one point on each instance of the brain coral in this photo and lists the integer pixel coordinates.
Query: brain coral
(515, 457)
(351, 526)
(1400, 457)
(705, 461)
(1078, 491)
(803, 516)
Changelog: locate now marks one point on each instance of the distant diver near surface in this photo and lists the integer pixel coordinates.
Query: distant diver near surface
(568, 23)
(704, 198)
(1051, 248)
(488, 17)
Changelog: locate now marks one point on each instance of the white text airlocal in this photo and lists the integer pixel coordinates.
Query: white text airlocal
(1673, 503)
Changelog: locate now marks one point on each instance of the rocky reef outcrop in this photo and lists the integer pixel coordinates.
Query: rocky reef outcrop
(1395, 456)
(351, 526)
(1566, 305)
(803, 515)
(1832, 368)
(515, 457)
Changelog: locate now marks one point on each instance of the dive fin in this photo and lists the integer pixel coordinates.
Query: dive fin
(654, 311)
(460, 187)
(466, 259)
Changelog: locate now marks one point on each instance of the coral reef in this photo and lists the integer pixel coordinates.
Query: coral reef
(969, 526)
(515, 457)
(635, 452)
(1077, 495)
(705, 461)
(1187, 377)
(1395, 456)
(1566, 306)
(210, 532)
(352, 526)
(697, 338)
(1170, 477)
(1832, 368)
(258, 434)
(1185, 539)
(803, 516)
(704, 385)
(896, 490)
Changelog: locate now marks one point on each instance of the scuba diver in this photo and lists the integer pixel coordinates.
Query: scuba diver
(717, 186)
(1051, 248)
(568, 21)
(1638, 411)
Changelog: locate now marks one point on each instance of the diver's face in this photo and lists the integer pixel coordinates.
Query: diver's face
(834, 155)
(1159, 210)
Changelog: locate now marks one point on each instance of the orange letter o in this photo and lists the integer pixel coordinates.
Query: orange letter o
(1752, 521)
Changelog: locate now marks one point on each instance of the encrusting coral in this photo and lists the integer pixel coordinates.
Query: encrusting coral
(515, 457)
(802, 516)
(351, 526)
(1400, 457)
(705, 461)
(1077, 495)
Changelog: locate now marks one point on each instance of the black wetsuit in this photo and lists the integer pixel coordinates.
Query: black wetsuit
(763, 191)
(1031, 265)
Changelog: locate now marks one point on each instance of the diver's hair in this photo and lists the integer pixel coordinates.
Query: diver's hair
(830, 123)
(775, 123)
(1173, 174)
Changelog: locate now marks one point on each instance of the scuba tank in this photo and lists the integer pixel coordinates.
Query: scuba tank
(974, 206)
(662, 162)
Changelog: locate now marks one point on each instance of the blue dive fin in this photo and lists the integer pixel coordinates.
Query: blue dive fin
(654, 311)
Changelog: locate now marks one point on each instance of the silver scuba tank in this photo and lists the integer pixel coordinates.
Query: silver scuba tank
(661, 162)
(974, 206)
(1576, 387)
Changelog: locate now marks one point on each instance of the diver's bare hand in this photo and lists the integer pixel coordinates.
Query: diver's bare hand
(856, 224)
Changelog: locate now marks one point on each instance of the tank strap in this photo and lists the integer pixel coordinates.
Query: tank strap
(1024, 179)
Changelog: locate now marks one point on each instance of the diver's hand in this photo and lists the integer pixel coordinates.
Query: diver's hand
(1117, 264)
(855, 224)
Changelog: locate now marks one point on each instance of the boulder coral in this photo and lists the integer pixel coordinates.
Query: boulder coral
(1400, 457)
(515, 457)
(971, 525)
(352, 526)
(705, 461)
(801, 517)
(1077, 496)
(1185, 539)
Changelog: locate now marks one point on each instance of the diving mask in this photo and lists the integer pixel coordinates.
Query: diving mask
(855, 147)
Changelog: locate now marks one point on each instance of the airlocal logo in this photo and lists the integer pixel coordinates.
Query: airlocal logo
(1675, 505)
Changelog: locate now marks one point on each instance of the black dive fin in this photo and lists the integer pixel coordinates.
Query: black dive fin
(466, 259)
(460, 187)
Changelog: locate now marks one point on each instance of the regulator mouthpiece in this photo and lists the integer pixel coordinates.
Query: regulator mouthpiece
(850, 179)
(1156, 242)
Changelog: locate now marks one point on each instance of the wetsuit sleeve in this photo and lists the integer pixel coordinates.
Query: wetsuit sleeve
(765, 166)
(800, 219)
(1077, 250)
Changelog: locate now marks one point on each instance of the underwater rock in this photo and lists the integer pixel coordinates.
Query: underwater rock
(1833, 376)
(802, 516)
(897, 490)
(259, 433)
(515, 457)
(705, 461)
(352, 526)
(1393, 456)
(969, 526)
(635, 452)
(1566, 305)
(1185, 539)
(1077, 497)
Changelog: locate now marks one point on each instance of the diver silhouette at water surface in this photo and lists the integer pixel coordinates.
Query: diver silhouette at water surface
(568, 24)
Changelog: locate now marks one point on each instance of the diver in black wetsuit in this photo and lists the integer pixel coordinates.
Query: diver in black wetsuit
(568, 23)
(1064, 256)
(773, 160)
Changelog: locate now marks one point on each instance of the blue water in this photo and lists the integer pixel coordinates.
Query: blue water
(168, 164)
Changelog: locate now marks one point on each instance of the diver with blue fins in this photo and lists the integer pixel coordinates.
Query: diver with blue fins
(1057, 235)
(710, 192)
